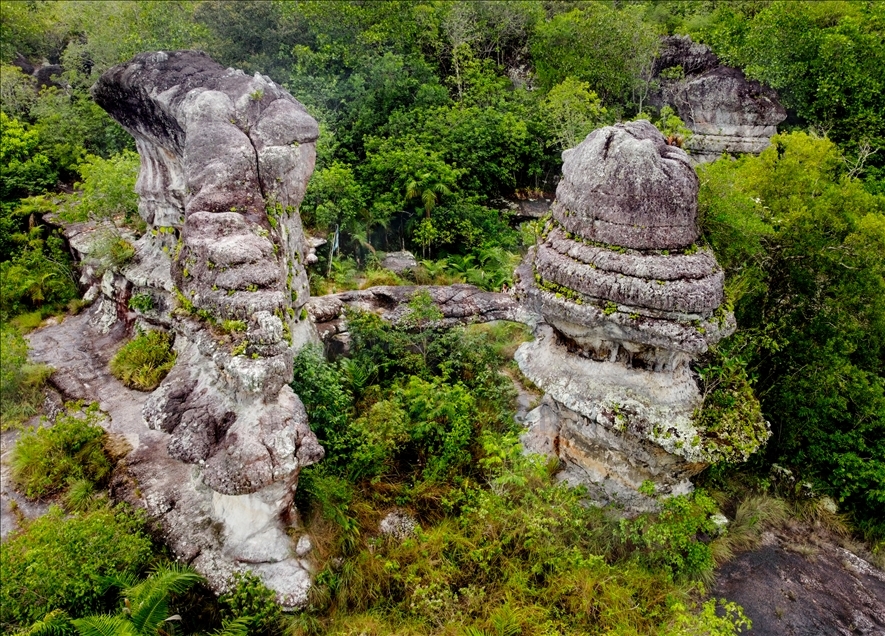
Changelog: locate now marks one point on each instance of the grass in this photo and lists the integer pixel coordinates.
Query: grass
(21, 383)
(753, 515)
(144, 361)
(63, 457)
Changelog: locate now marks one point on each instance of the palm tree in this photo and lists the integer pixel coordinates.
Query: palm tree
(145, 609)
(429, 189)
(146, 604)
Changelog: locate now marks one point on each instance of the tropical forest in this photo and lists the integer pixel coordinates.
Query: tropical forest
(442, 317)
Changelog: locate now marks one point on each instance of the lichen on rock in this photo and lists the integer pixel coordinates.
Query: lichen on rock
(225, 161)
(628, 303)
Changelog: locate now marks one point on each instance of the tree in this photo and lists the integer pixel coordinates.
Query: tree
(825, 59)
(574, 111)
(597, 44)
(802, 247)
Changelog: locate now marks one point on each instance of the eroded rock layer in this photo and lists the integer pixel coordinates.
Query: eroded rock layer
(628, 301)
(727, 112)
(225, 161)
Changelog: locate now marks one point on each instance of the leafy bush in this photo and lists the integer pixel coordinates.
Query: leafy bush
(108, 186)
(144, 361)
(39, 275)
(110, 251)
(46, 461)
(730, 416)
(668, 541)
(21, 384)
(57, 561)
(25, 170)
(252, 602)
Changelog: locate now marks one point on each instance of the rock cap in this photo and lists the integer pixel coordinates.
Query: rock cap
(625, 186)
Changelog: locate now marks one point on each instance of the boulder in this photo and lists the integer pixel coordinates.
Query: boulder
(399, 262)
(626, 303)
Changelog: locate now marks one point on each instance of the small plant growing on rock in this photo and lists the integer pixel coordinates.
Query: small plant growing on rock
(144, 361)
(233, 326)
(141, 302)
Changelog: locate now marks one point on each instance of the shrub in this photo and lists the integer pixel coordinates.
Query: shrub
(38, 277)
(55, 562)
(108, 185)
(144, 361)
(730, 417)
(668, 541)
(46, 461)
(251, 600)
(21, 384)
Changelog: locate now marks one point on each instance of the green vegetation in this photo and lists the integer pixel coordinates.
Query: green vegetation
(21, 383)
(49, 460)
(801, 243)
(429, 114)
(144, 361)
(58, 562)
(418, 419)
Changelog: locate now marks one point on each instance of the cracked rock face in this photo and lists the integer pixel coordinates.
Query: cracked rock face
(225, 161)
(726, 112)
(627, 301)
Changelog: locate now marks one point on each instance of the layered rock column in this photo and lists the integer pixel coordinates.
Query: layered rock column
(628, 300)
(225, 161)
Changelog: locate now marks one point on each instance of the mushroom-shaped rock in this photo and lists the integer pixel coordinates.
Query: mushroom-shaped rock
(627, 302)
(225, 161)
(726, 112)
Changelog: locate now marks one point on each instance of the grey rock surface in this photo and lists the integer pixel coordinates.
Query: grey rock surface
(218, 446)
(398, 525)
(399, 262)
(727, 112)
(626, 303)
(800, 582)
(459, 305)
(624, 185)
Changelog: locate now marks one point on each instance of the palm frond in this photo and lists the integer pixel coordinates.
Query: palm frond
(150, 612)
(104, 625)
(238, 627)
(55, 623)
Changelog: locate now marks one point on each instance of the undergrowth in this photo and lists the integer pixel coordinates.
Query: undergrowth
(144, 361)
(21, 383)
(420, 421)
(68, 456)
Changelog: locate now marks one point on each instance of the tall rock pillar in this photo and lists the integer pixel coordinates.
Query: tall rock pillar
(628, 301)
(225, 161)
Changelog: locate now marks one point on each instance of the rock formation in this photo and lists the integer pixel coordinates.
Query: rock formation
(628, 300)
(225, 160)
(726, 112)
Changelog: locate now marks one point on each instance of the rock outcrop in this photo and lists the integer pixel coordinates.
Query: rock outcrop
(458, 305)
(225, 160)
(726, 112)
(628, 300)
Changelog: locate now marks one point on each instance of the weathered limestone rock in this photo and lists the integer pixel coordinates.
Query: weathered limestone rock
(225, 160)
(726, 112)
(627, 302)
(399, 262)
(458, 304)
